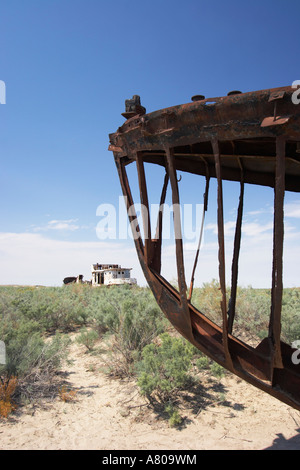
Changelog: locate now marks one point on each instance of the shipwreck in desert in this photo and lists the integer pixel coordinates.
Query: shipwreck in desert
(249, 138)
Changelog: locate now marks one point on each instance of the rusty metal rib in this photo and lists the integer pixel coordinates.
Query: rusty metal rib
(205, 203)
(215, 146)
(158, 232)
(157, 242)
(236, 252)
(177, 222)
(132, 216)
(278, 231)
(178, 236)
(144, 208)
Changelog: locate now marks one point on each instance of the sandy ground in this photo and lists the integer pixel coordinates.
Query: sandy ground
(111, 415)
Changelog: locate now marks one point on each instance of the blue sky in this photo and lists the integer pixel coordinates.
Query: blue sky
(68, 66)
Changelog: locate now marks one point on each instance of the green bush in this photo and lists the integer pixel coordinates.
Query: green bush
(88, 338)
(131, 319)
(50, 308)
(34, 361)
(202, 362)
(291, 315)
(207, 299)
(174, 417)
(130, 313)
(252, 307)
(164, 367)
(217, 370)
(31, 357)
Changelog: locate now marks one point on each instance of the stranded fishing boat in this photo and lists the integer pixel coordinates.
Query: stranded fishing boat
(251, 138)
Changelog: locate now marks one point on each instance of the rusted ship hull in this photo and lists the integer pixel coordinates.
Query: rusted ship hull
(246, 137)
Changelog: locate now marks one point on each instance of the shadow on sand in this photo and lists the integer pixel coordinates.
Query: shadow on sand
(280, 443)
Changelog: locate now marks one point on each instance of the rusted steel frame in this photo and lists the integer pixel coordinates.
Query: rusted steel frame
(278, 235)
(250, 364)
(236, 252)
(177, 224)
(158, 232)
(166, 296)
(216, 151)
(233, 174)
(201, 233)
(157, 242)
(144, 208)
(132, 216)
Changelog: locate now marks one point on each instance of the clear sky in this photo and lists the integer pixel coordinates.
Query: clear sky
(68, 66)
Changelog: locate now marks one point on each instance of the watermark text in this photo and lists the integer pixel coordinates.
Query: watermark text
(296, 354)
(180, 221)
(295, 95)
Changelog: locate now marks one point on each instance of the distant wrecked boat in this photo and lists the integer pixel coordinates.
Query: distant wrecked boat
(104, 275)
(111, 275)
(74, 279)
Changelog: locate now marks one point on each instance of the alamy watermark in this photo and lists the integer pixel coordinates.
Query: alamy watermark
(119, 223)
(2, 92)
(296, 354)
(295, 95)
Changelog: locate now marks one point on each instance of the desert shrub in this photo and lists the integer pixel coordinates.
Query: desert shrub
(217, 370)
(139, 321)
(202, 362)
(291, 315)
(173, 413)
(88, 338)
(207, 299)
(253, 311)
(131, 319)
(23, 338)
(51, 308)
(58, 309)
(164, 367)
(252, 307)
(32, 359)
(37, 380)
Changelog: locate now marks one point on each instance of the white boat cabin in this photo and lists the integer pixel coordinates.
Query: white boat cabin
(111, 274)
